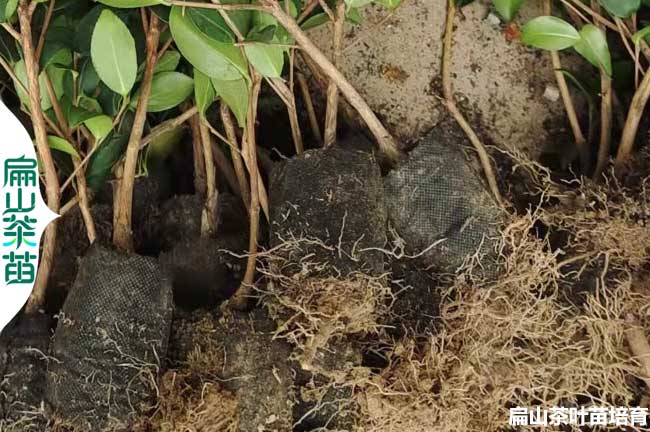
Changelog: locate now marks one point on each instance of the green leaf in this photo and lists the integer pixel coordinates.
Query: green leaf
(235, 94)
(168, 62)
(549, 33)
(211, 24)
(84, 30)
(390, 4)
(507, 8)
(168, 89)
(55, 54)
(112, 50)
(266, 58)
(593, 46)
(621, 8)
(353, 15)
(108, 153)
(357, 3)
(56, 76)
(130, 3)
(215, 59)
(641, 34)
(203, 91)
(99, 126)
(62, 145)
(315, 21)
(7, 9)
(76, 115)
(88, 78)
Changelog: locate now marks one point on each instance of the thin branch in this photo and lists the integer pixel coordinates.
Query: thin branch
(46, 26)
(225, 168)
(240, 299)
(217, 6)
(331, 112)
(209, 214)
(289, 100)
(631, 127)
(229, 127)
(47, 163)
(11, 31)
(606, 112)
(307, 10)
(167, 125)
(200, 184)
(384, 139)
(122, 233)
(453, 109)
(309, 104)
(82, 189)
(578, 136)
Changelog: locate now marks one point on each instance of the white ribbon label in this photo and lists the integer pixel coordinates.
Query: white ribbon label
(24, 216)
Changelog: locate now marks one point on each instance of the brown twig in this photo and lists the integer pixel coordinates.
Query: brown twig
(46, 26)
(47, 163)
(634, 114)
(331, 111)
(168, 125)
(217, 6)
(606, 111)
(307, 10)
(384, 139)
(229, 128)
(209, 215)
(455, 112)
(82, 188)
(289, 100)
(200, 183)
(11, 31)
(578, 136)
(122, 233)
(240, 299)
(225, 168)
(309, 105)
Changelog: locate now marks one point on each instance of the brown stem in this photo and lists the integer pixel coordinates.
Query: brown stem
(82, 188)
(290, 102)
(168, 125)
(47, 163)
(225, 168)
(632, 122)
(309, 104)
(240, 298)
(200, 183)
(122, 233)
(13, 33)
(578, 136)
(455, 112)
(46, 25)
(209, 216)
(385, 140)
(217, 6)
(331, 111)
(606, 111)
(229, 127)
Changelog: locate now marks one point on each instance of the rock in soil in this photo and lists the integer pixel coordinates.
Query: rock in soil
(111, 336)
(436, 196)
(24, 346)
(332, 197)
